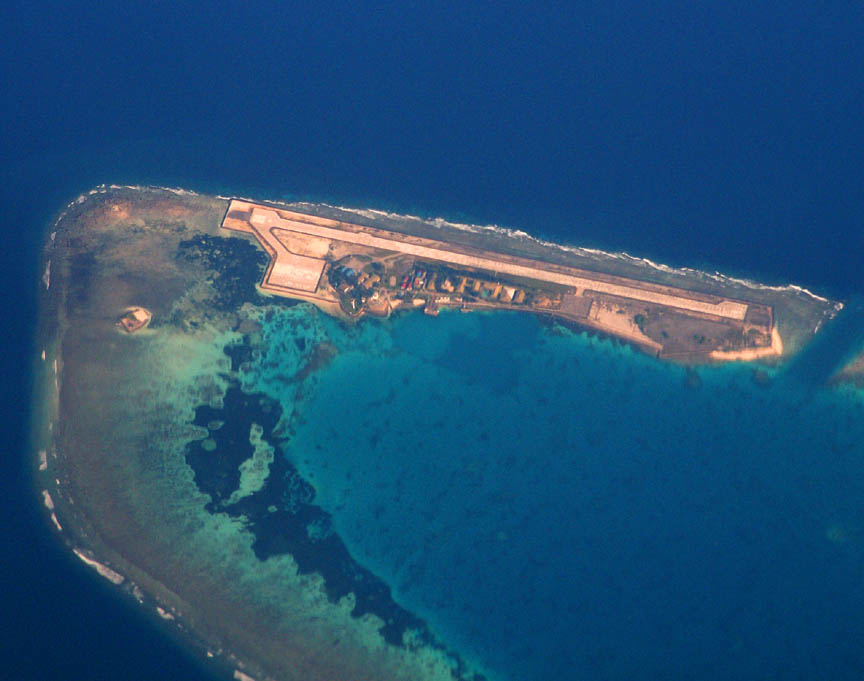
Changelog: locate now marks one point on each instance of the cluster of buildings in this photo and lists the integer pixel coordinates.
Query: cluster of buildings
(423, 285)
(421, 278)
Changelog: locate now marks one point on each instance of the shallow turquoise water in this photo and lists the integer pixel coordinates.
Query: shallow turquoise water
(561, 507)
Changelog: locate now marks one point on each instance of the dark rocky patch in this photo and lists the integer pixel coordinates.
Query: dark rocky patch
(282, 515)
(217, 472)
(239, 353)
(82, 268)
(237, 265)
(761, 378)
(297, 527)
(319, 357)
(692, 379)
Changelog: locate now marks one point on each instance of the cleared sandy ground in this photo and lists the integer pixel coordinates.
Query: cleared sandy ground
(298, 272)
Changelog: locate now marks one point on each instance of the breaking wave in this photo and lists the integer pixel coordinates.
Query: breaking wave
(513, 234)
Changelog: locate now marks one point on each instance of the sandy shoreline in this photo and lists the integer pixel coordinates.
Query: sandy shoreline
(775, 350)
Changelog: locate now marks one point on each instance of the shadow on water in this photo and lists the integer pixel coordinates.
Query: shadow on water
(833, 348)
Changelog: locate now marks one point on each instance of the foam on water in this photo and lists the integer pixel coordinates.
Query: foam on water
(111, 575)
(491, 229)
(521, 235)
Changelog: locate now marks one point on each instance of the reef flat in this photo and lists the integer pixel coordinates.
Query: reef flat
(171, 384)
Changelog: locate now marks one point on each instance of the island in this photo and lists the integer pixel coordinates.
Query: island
(162, 402)
(352, 269)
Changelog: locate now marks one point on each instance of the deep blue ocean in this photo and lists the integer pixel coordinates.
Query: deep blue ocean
(725, 136)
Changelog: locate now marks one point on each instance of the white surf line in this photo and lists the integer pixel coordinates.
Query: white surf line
(164, 614)
(580, 250)
(726, 308)
(137, 594)
(104, 570)
(475, 228)
(49, 504)
(43, 460)
(525, 236)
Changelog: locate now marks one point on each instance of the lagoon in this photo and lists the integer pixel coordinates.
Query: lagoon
(558, 506)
